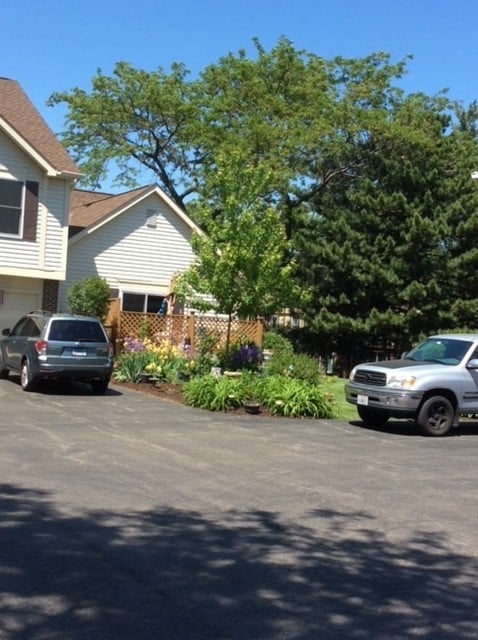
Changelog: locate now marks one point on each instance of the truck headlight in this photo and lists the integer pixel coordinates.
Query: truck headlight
(352, 374)
(401, 382)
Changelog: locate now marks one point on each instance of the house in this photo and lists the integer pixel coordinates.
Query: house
(36, 179)
(137, 241)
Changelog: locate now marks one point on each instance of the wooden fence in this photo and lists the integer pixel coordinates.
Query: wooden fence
(121, 325)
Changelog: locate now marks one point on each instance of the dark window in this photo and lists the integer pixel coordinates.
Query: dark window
(154, 303)
(26, 327)
(18, 217)
(76, 331)
(11, 193)
(133, 302)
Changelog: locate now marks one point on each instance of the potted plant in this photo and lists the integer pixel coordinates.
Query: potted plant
(251, 405)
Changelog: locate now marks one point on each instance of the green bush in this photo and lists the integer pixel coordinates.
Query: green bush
(130, 366)
(296, 398)
(304, 367)
(214, 394)
(276, 342)
(281, 395)
(90, 297)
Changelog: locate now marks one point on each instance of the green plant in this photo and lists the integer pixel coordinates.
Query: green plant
(214, 394)
(304, 367)
(131, 366)
(296, 398)
(276, 342)
(90, 297)
(144, 330)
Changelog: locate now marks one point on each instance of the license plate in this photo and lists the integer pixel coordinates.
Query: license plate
(77, 353)
(362, 399)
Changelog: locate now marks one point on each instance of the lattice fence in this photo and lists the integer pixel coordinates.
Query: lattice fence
(178, 328)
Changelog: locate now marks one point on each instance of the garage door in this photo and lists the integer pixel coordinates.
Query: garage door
(14, 303)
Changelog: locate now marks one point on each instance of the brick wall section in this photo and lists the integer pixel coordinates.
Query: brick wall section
(50, 295)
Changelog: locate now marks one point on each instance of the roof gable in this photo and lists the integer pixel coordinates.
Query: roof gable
(90, 210)
(22, 122)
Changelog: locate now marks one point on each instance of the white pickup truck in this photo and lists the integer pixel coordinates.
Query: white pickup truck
(432, 385)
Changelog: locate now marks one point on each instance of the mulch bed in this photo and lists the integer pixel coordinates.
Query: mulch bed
(173, 393)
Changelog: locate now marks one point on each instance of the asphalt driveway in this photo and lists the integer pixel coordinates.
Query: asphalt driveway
(125, 517)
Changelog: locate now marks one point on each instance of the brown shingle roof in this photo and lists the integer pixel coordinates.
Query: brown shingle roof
(89, 207)
(20, 114)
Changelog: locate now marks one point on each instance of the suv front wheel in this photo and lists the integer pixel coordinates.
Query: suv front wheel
(436, 416)
(26, 380)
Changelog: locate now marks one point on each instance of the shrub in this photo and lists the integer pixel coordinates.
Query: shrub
(242, 357)
(90, 297)
(281, 395)
(277, 343)
(160, 359)
(304, 367)
(296, 398)
(214, 394)
(130, 366)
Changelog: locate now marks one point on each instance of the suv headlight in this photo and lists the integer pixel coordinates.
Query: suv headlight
(397, 381)
(352, 374)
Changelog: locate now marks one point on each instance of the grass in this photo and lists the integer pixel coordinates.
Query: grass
(345, 410)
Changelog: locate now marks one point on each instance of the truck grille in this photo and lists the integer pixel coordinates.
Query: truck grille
(372, 378)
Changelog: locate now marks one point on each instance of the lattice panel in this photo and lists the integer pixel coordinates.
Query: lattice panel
(241, 330)
(177, 328)
(173, 328)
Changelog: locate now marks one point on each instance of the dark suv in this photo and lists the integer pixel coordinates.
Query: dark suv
(57, 346)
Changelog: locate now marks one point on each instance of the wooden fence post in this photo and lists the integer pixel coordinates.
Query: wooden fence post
(192, 331)
(259, 331)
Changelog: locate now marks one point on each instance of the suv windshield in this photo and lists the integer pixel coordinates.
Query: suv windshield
(443, 350)
(76, 331)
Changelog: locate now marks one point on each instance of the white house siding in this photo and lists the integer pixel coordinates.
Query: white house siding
(45, 258)
(56, 233)
(18, 296)
(130, 255)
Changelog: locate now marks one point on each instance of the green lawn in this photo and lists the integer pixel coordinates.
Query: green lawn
(336, 386)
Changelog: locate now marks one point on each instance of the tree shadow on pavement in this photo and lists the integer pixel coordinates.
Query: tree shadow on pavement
(178, 575)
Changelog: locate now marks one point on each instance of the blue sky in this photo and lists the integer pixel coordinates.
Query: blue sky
(54, 45)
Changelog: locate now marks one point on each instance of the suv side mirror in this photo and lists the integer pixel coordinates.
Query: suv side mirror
(472, 364)
(5, 332)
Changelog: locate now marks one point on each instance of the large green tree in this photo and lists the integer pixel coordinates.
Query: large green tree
(370, 186)
(133, 124)
(242, 265)
(377, 250)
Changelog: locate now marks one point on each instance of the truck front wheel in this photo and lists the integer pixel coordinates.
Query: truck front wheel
(372, 417)
(435, 417)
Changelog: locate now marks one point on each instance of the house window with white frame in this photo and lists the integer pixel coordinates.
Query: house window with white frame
(11, 207)
(143, 302)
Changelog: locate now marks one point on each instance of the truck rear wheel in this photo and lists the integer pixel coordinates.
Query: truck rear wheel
(372, 417)
(436, 416)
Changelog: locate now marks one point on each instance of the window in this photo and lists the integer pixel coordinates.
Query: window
(26, 328)
(18, 208)
(133, 302)
(141, 302)
(154, 303)
(11, 196)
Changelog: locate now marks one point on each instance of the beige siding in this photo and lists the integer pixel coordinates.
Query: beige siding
(131, 255)
(46, 257)
(18, 296)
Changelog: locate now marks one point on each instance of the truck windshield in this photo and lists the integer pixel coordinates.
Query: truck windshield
(443, 350)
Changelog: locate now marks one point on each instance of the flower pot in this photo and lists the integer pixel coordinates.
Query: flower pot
(252, 406)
